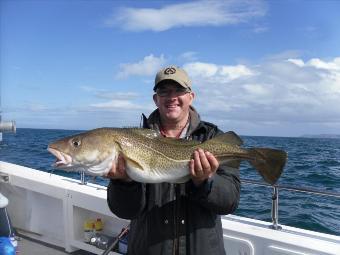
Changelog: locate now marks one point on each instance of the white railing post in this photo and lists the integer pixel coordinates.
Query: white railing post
(275, 209)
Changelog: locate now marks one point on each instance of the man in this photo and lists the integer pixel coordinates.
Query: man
(177, 218)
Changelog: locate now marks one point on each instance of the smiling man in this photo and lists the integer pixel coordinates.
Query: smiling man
(173, 98)
(184, 218)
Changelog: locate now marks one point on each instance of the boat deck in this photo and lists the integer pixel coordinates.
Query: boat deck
(29, 246)
(36, 197)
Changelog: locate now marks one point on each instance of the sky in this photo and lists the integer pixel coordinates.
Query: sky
(264, 68)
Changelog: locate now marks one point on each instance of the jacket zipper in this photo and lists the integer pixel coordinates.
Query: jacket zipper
(175, 250)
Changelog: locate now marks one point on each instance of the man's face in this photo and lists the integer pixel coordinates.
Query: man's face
(173, 101)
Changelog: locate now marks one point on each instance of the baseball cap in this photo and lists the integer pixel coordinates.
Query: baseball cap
(173, 73)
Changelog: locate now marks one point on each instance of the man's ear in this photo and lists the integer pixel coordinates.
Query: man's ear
(192, 94)
(154, 97)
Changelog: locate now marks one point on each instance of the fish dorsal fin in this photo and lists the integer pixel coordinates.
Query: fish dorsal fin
(181, 142)
(228, 137)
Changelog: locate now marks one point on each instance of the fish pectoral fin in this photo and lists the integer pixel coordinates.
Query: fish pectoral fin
(133, 164)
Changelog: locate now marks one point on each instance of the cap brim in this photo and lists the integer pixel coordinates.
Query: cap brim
(163, 81)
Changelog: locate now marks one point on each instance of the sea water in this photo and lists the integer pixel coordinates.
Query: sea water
(312, 163)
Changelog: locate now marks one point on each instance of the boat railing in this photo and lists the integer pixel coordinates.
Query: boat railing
(6, 126)
(275, 197)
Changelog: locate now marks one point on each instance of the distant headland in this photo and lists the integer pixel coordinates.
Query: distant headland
(333, 136)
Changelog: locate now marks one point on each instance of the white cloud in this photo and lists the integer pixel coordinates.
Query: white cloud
(274, 93)
(278, 96)
(217, 73)
(318, 63)
(124, 102)
(148, 66)
(298, 62)
(196, 13)
(118, 104)
(275, 90)
(200, 69)
(235, 72)
(327, 71)
(256, 90)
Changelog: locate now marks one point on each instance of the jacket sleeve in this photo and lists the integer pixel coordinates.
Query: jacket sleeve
(220, 193)
(126, 200)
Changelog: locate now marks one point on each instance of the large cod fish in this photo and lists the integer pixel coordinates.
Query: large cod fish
(151, 158)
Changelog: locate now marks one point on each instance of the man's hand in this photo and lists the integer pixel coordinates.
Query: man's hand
(118, 171)
(202, 166)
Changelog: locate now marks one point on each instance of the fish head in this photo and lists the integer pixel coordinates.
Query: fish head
(90, 152)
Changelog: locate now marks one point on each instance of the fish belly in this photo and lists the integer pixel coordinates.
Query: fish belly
(174, 173)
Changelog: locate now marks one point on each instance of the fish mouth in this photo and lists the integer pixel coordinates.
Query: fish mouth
(62, 159)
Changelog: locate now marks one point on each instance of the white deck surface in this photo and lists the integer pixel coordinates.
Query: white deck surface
(27, 246)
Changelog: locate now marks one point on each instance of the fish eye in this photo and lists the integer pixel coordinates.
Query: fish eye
(76, 143)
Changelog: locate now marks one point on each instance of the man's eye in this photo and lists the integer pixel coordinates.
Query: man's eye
(163, 92)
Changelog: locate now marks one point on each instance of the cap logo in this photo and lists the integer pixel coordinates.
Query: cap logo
(170, 70)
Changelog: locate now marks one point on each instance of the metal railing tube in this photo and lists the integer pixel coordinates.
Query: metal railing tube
(8, 126)
(292, 188)
(275, 209)
(82, 178)
(275, 197)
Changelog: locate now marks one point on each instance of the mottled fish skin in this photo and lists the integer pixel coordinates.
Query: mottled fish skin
(151, 158)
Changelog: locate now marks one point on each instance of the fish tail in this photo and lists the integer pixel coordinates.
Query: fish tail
(269, 163)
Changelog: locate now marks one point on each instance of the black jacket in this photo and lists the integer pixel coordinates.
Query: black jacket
(177, 218)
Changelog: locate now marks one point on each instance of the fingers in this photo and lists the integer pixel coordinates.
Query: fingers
(118, 169)
(214, 164)
(113, 170)
(197, 163)
(203, 164)
(192, 167)
(206, 168)
(121, 164)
